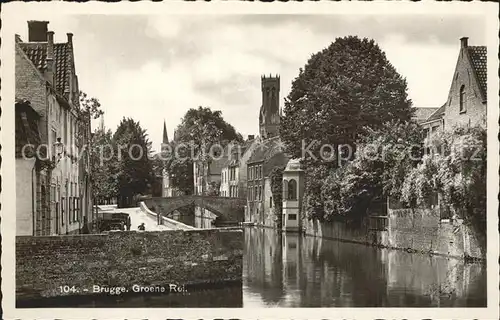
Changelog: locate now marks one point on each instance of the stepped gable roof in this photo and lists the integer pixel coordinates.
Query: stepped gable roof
(37, 53)
(478, 58)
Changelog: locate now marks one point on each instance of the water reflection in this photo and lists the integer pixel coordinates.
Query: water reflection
(291, 271)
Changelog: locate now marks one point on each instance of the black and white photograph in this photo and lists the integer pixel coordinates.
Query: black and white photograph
(260, 160)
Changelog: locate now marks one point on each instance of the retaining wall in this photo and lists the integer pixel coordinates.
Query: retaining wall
(123, 259)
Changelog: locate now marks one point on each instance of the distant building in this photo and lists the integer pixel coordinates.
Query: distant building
(207, 182)
(47, 97)
(467, 101)
(266, 156)
(234, 172)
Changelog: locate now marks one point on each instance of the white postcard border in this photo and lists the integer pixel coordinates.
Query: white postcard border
(46, 10)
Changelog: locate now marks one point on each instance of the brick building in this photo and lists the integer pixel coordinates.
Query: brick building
(466, 104)
(264, 159)
(234, 172)
(47, 98)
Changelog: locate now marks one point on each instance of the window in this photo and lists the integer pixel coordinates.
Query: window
(255, 192)
(70, 207)
(63, 205)
(77, 208)
(270, 202)
(292, 190)
(292, 217)
(260, 193)
(285, 189)
(249, 195)
(463, 106)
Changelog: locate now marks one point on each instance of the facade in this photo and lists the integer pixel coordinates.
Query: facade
(26, 126)
(46, 79)
(467, 102)
(207, 181)
(293, 191)
(266, 156)
(234, 172)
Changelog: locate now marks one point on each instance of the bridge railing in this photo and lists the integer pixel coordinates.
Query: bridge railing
(170, 223)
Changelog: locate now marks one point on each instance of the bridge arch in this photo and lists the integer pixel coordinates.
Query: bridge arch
(227, 210)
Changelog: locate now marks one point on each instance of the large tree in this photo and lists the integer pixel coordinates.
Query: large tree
(103, 165)
(341, 90)
(201, 132)
(134, 171)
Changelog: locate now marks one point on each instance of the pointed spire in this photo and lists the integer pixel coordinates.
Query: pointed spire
(165, 134)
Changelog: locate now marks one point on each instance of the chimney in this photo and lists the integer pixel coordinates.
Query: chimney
(251, 137)
(464, 42)
(70, 37)
(37, 31)
(50, 71)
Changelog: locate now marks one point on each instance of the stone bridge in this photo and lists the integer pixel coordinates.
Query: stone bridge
(228, 210)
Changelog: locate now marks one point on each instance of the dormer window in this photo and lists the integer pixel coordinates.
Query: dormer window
(463, 106)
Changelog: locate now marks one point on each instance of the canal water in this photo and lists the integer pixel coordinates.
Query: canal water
(287, 270)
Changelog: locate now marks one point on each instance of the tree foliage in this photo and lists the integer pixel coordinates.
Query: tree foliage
(201, 131)
(134, 172)
(89, 109)
(455, 169)
(276, 178)
(342, 94)
(384, 158)
(342, 90)
(103, 167)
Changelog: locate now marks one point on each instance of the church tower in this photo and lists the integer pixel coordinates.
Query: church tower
(269, 116)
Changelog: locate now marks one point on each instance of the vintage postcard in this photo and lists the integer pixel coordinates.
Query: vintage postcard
(250, 160)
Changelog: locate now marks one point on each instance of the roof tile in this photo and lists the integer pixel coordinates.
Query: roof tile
(37, 53)
(478, 58)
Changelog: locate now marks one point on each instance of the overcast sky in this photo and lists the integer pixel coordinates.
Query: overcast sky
(153, 68)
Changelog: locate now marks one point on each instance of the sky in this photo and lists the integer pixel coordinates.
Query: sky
(154, 68)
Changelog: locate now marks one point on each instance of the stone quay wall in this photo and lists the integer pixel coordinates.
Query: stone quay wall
(420, 231)
(424, 231)
(124, 259)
